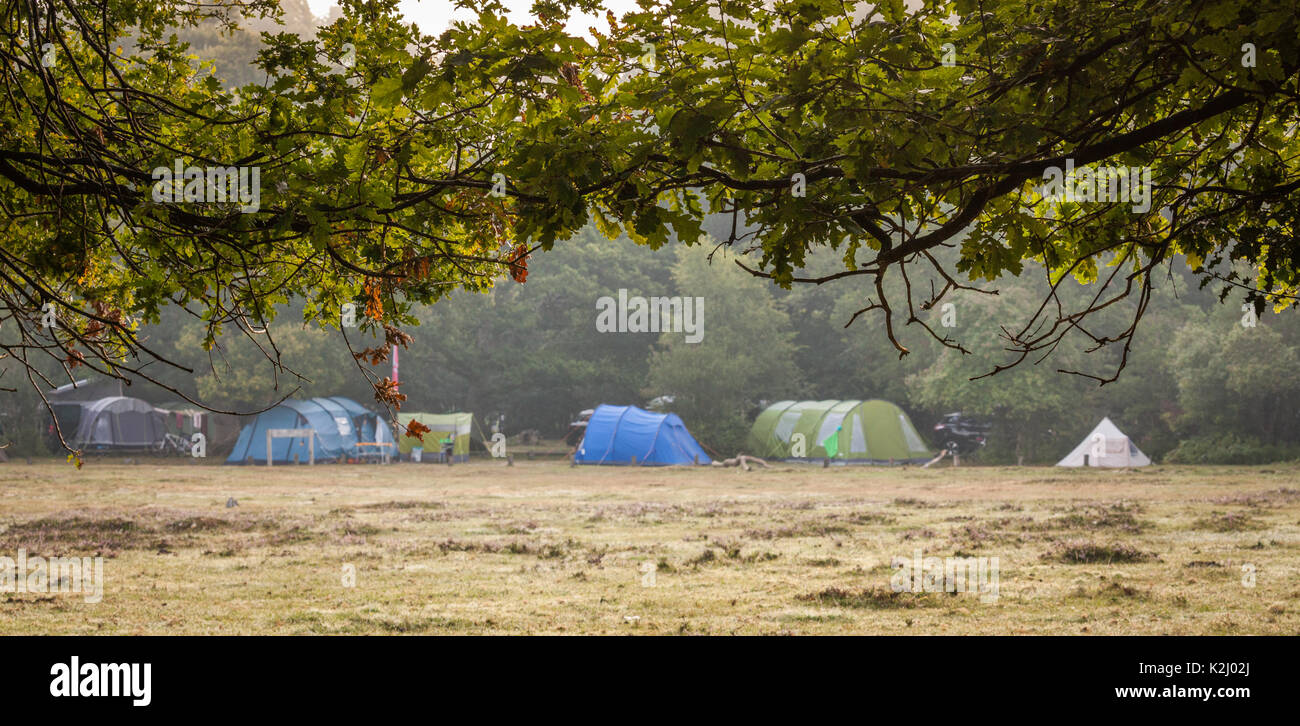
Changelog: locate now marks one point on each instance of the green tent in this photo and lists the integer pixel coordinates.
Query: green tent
(442, 426)
(868, 432)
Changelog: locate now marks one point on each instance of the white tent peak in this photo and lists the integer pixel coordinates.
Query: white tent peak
(1105, 445)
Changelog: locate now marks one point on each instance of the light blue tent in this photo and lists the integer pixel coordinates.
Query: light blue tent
(340, 426)
(630, 435)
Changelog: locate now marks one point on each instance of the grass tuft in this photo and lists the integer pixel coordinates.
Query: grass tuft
(1084, 552)
(874, 598)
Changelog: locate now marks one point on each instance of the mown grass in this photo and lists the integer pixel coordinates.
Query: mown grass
(549, 548)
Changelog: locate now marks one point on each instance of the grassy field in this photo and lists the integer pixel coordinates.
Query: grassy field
(549, 548)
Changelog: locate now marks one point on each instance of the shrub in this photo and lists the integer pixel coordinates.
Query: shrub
(1082, 552)
(1229, 448)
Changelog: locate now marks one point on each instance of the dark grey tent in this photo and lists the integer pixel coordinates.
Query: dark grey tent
(118, 423)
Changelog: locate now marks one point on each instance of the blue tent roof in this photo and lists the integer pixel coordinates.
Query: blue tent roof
(630, 435)
(339, 425)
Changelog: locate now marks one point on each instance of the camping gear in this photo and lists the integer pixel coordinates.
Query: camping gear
(832, 443)
(221, 430)
(116, 423)
(861, 432)
(446, 441)
(1106, 445)
(374, 434)
(578, 428)
(343, 429)
(630, 435)
(961, 433)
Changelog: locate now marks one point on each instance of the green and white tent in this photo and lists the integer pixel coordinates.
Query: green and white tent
(863, 432)
(442, 426)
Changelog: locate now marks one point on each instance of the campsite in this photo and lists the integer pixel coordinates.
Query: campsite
(323, 517)
(647, 318)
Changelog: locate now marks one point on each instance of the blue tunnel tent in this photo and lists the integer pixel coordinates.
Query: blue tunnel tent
(629, 435)
(343, 429)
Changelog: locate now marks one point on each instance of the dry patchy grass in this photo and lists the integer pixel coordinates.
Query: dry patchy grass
(549, 548)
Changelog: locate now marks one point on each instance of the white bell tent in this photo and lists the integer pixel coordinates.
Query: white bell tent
(1105, 446)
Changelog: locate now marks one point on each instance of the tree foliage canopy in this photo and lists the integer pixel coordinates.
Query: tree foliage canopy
(396, 165)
